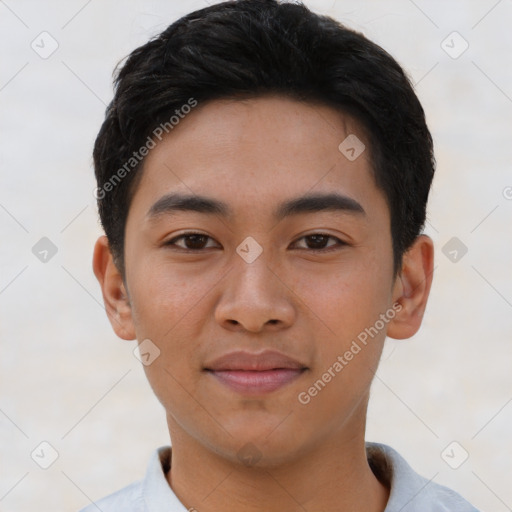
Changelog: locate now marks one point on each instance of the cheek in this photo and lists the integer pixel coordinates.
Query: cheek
(171, 309)
(346, 307)
(164, 298)
(346, 303)
(345, 300)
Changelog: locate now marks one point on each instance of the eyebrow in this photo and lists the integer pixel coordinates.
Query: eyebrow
(310, 203)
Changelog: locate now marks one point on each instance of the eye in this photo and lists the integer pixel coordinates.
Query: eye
(191, 241)
(199, 241)
(318, 242)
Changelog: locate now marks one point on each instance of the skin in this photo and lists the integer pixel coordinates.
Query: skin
(197, 305)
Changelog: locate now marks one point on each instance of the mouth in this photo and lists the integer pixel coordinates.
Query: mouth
(250, 373)
(256, 382)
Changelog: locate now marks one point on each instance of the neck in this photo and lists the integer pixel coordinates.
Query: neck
(334, 476)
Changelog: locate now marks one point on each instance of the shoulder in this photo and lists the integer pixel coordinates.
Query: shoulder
(409, 491)
(128, 499)
(150, 494)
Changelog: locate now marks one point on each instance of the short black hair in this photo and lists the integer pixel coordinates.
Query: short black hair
(251, 48)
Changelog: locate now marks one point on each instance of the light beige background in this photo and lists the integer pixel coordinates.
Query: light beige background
(65, 377)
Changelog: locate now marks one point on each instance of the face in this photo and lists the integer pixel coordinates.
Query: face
(259, 296)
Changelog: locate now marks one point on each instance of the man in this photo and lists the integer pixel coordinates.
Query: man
(263, 174)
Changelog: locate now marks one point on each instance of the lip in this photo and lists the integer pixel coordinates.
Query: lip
(255, 373)
(251, 361)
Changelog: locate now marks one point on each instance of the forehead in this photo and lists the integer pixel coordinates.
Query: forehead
(258, 151)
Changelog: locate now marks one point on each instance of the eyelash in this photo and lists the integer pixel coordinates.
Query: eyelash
(338, 245)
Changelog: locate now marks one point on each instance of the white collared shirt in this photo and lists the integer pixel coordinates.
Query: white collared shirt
(410, 492)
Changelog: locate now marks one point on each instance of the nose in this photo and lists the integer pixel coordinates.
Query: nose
(254, 298)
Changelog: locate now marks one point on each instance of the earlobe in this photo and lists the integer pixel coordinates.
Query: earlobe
(115, 296)
(412, 288)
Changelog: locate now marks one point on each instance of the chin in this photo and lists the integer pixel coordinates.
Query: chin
(264, 446)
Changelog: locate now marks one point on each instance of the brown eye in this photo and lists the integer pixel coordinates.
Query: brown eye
(319, 241)
(190, 241)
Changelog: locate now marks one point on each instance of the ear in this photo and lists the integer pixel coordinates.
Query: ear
(412, 288)
(115, 296)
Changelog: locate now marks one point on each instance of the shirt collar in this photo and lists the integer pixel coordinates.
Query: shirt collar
(408, 490)
(157, 493)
